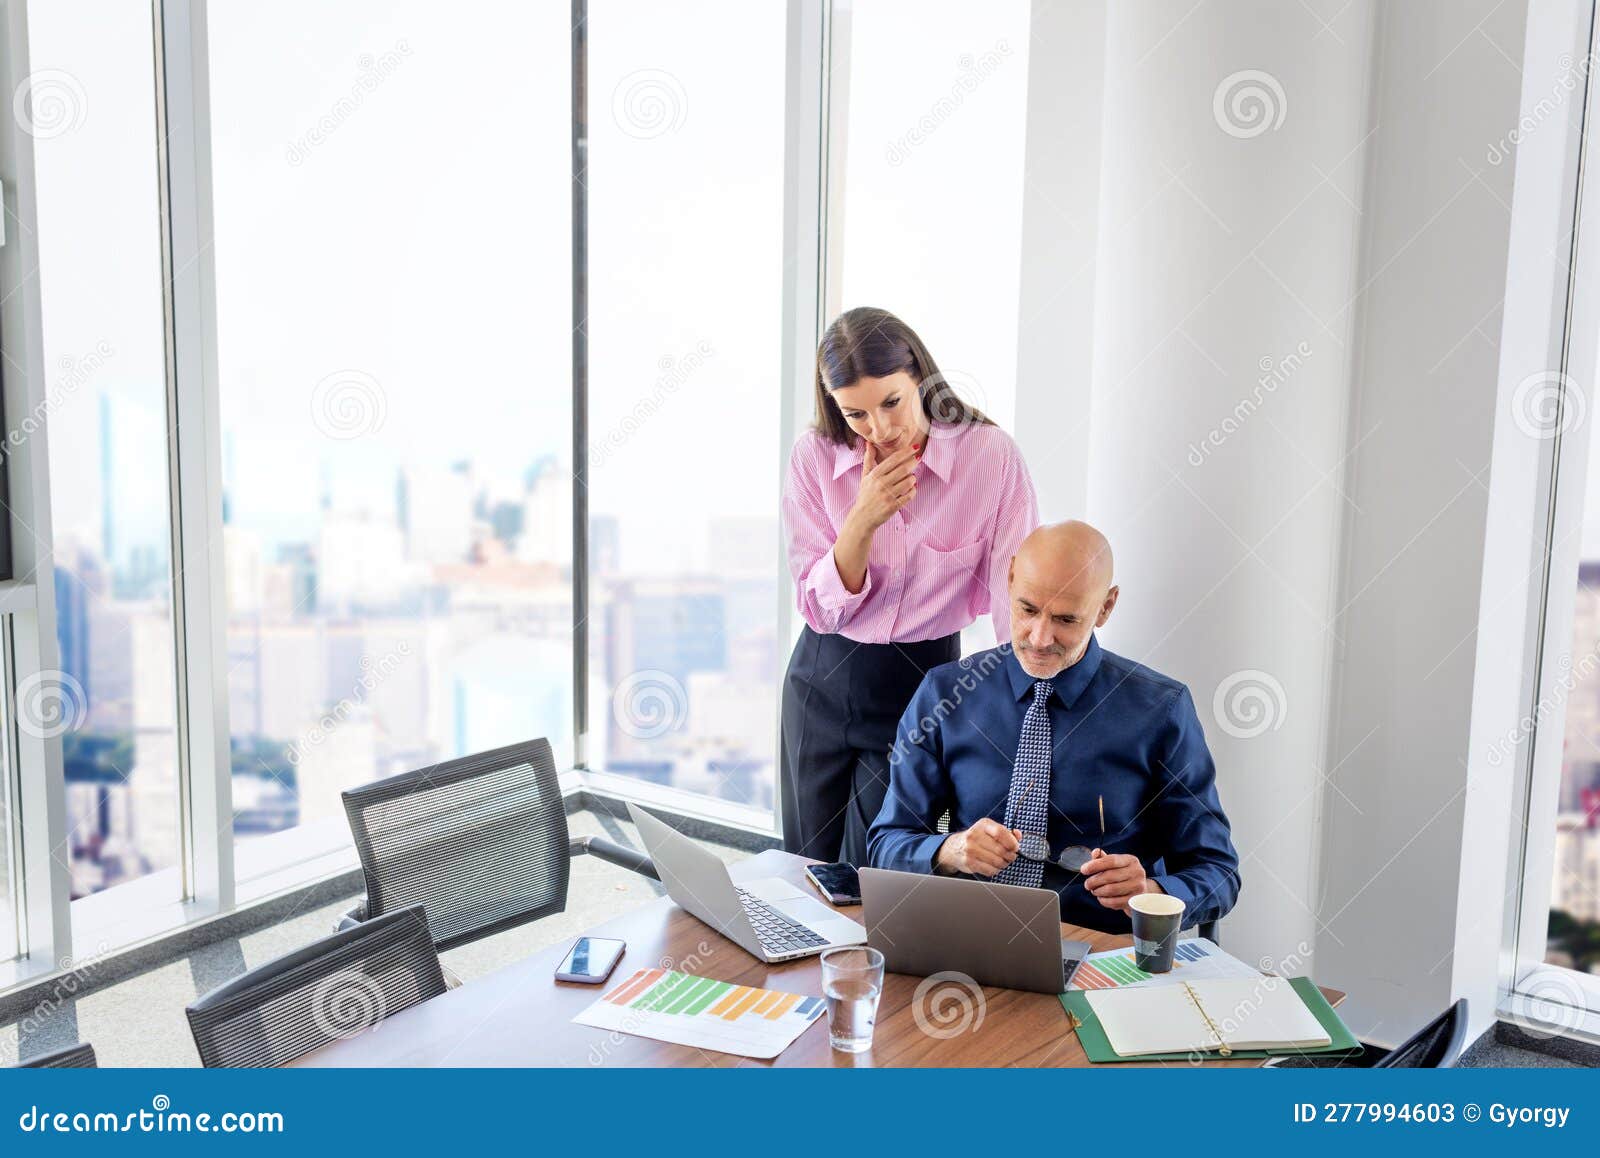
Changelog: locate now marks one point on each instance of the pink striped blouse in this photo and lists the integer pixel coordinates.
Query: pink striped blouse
(938, 563)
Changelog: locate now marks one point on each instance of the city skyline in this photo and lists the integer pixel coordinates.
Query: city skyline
(340, 672)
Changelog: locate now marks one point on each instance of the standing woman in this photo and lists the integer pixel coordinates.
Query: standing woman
(903, 508)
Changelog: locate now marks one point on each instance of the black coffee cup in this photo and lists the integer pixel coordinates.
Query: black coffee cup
(1156, 919)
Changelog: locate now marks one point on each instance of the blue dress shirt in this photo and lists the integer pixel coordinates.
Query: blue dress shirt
(1119, 730)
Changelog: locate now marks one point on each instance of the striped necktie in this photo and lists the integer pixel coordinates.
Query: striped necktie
(1028, 801)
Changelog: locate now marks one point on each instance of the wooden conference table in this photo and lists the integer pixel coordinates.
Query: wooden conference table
(521, 1016)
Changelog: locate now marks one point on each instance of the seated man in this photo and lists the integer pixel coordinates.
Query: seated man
(1053, 742)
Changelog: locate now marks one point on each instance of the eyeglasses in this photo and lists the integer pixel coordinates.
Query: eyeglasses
(1032, 846)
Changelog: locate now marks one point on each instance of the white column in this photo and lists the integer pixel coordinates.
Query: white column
(1414, 849)
(1290, 419)
(1232, 148)
(1060, 217)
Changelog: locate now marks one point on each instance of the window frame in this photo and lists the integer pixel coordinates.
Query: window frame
(43, 882)
(1528, 988)
(13, 893)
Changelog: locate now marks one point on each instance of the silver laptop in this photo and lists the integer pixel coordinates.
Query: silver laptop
(1004, 935)
(770, 918)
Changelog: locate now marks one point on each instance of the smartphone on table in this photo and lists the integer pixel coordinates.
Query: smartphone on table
(838, 882)
(590, 960)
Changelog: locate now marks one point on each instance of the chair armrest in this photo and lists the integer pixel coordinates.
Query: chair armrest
(351, 917)
(1208, 930)
(600, 847)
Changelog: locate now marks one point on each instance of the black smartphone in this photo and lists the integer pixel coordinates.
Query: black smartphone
(590, 960)
(838, 882)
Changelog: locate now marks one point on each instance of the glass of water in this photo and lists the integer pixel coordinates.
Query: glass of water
(852, 980)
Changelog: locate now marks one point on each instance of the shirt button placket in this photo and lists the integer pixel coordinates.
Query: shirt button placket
(899, 553)
(897, 565)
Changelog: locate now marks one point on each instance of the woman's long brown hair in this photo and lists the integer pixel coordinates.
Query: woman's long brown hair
(871, 343)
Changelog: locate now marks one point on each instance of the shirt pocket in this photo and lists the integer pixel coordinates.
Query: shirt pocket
(965, 557)
(946, 575)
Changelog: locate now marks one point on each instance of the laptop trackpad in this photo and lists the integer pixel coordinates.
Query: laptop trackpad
(791, 900)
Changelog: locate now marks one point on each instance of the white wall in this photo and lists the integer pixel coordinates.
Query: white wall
(1060, 227)
(1434, 270)
(1324, 531)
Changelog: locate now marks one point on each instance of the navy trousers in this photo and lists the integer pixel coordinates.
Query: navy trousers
(842, 701)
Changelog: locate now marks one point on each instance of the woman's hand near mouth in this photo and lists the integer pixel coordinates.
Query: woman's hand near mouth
(886, 487)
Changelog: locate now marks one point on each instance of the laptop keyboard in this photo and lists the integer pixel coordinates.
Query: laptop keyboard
(777, 933)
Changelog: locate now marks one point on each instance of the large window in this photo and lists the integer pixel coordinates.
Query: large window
(392, 250)
(336, 382)
(1574, 922)
(937, 151)
(91, 113)
(686, 200)
(1552, 979)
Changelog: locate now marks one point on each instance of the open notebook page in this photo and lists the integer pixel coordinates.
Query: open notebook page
(1247, 1013)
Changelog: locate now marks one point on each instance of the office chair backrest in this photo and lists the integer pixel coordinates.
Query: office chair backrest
(479, 842)
(332, 989)
(1434, 1046)
(69, 1057)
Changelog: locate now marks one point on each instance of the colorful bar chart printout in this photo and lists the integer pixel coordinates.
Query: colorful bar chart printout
(703, 1012)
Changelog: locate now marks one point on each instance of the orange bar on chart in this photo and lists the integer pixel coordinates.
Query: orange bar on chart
(729, 1000)
(788, 1002)
(743, 1005)
(767, 1002)
(633, 987)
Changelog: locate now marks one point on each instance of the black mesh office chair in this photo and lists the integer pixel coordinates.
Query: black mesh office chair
(332, 989)
(68, 1057)
(1435, 1046)
(480, 842)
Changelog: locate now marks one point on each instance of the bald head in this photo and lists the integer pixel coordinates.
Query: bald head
(1061, 590)
(1069, 554)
